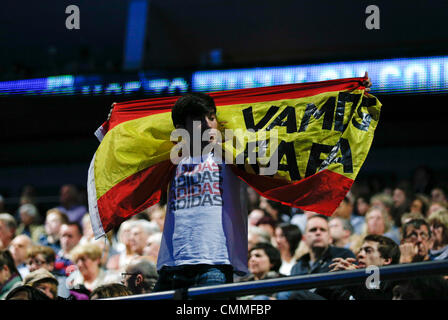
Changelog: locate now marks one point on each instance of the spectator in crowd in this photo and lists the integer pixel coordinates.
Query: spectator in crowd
(379, 222)
(416, 241)
(140, 276)
(69, 200)
(255, 215)
(24, 292)
(438, 222)
(345, 211)
(8, 228)
(438, 195)
(18, 248)
(29, 222)
(70, 236)
(44, 281)
(383, 201)
(420, 204)
(139, 234)
(158, 216)
(54, 219)
(151, 250)
(408, 216)
(256, 235)
(401, 199)
(9, 275)
(87, 258)
(376, 250)
(125, 253)
(87, 231)
(268, 224)
(44, 257)
(362, 206)
(321, 253)
(110, 290)
(341, 232)
(436, 206)
(287, 239)
(280, 213)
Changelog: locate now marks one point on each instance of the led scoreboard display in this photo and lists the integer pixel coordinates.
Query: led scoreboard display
(399, 75)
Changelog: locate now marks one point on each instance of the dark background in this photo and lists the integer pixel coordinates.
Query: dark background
(48, 141)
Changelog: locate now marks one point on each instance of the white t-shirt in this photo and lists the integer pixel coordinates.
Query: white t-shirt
(206, 219)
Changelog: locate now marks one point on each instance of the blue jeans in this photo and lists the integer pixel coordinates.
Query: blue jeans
(172, 278)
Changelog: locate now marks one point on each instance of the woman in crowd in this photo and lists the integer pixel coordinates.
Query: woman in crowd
(287, 239)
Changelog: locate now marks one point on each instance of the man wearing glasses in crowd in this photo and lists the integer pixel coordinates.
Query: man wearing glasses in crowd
(416, 241)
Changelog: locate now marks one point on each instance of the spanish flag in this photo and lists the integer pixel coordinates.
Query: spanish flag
(324, 131)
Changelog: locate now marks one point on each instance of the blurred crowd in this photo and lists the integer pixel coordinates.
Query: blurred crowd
(54, 254)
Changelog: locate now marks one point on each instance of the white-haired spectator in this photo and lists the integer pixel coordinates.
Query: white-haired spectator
(152, 246)
(29, 222)
(139, 234)
(19, 249)
(256, 235)
(8, 228)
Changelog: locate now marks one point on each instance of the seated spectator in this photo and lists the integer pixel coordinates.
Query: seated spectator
(158, 216)
(9, 275)
(401, 199)
(256, 235)
(24, 292)
(44, 281)
(420, 204)
(29, 222)
(54, 219)
(380, 223)
(264, 263)
(345, 211)
(376, 250)
(287, 239)
(436, 206)
(438, 222)
(341, 232)
(125, 253)
(438, 195)
(70, 236)
(416, 241)
(70, 206)
(255, 215)
(139, 234)
(8, 228)
(362, 206)
(140, 276)
(151, 250)
(87, 231)
(383, 201)
(87, 258)
(321, 253)
(18, 248)
(43, 257)
(110, 290)
(269, 224)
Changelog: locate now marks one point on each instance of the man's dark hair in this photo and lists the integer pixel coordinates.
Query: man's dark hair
(77, 225)
(149, 273)
(416, 223)
(110, 290)
(6, 259)
(386, 246)
(272, 252)
(195, 104)
(292, 234)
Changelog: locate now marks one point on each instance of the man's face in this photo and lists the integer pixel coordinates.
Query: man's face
(52, 224)
(336, 229)
(369, 255)
(19, 246)
(69, 237)
(375, 222)
(317, 234)
(399, 197)
(137, 240)
(420, 238)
